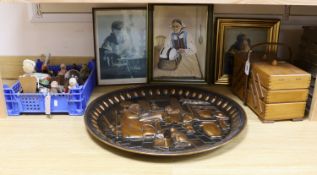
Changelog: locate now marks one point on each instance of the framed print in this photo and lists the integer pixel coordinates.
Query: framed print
(179, 38)
(120, 45)
(237, 35)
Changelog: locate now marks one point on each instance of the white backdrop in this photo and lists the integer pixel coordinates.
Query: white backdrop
(18, 36)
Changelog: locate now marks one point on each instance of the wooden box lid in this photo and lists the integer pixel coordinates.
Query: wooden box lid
(281, 76)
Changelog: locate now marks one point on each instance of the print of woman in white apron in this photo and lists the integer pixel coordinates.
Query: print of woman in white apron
(180, 39)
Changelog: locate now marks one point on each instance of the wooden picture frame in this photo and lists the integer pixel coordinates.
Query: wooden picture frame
(188, 62)
(120, 42)
(236, 35)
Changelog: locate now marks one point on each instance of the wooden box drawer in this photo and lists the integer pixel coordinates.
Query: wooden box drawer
(277, 111)
(281, 96)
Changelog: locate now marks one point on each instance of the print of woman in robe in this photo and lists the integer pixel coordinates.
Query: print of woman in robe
(117, 45)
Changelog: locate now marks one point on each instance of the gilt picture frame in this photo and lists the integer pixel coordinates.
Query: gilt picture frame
(237, 35)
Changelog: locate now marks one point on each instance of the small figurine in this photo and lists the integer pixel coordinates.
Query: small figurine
(84, 72)
(61, 80)
(63, 70)
(45, 70)
(44, 84)
(28, 81)
(55, 87)
(28, 67)
(74, 74)
(29, 71)
(72, 83)
(44, 67)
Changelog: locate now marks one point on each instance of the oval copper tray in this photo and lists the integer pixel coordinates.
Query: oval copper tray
(164, 120)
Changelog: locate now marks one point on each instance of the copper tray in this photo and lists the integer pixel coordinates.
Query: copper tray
(164, 120)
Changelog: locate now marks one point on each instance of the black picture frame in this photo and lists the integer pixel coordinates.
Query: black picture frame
(121, 76)
(208, 46)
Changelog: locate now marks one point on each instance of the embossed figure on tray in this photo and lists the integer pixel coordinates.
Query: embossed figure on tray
(164, 120)
(168, 123)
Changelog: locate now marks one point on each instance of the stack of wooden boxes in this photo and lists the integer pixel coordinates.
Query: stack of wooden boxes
(275, 92)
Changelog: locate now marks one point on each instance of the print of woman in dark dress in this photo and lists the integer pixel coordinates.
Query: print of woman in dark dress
(242, 44)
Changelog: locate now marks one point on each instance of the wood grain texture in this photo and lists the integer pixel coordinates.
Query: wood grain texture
(284, 111)
(281, 76)
(11, 66)
(3, 112)
(283, 96)
(276, 111)
(279, 96)
(61, 145)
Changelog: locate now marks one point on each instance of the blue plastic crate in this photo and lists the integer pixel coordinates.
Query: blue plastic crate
(72, 103)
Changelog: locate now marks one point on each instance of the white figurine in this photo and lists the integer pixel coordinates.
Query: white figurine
(72, 83)
(28, 67)
(29, 70)
(28, 81)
